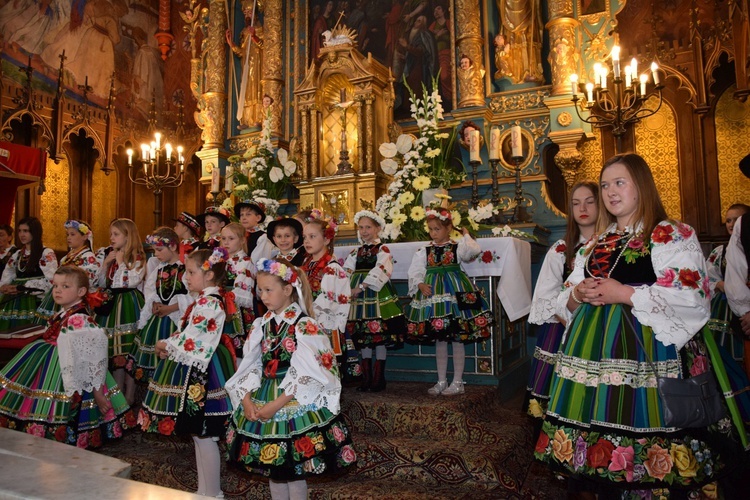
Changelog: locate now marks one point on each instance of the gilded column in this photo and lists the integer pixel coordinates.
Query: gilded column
(213, 102)
(273, 69)
(362, 140)
(369, 130)
(569, 160)
(313, 165)
(564, 55)
(470, 44)
(305, 146)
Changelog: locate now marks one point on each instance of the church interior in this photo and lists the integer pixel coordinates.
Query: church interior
(143, 109)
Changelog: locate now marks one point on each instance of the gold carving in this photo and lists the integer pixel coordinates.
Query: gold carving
(471, 45)
(560, 8)
(522, 26)
(656, 142)
(563, 56)
(55, 203)
(336, 204)
(732, 144)
(593, 157)
(564, 119)
(592, 12)
(211, 118)
(519, 101)
(273, 68)
(569, 160)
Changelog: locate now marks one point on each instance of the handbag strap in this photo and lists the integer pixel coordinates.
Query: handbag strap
(626, 315)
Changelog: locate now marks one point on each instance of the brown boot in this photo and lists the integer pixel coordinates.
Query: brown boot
(378, 376)
(366, 375)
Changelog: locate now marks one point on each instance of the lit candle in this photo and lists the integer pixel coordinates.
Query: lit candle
(616, 61)
(157, 136)
(644, 80)
(574, 84)
(179, 154)
(474, 145)
(628, 76)
(130, 156)
(597, 74)
(215, 179)
(515, 141)
(655, 72)
(495, 143)
(605, 72)
(168, 148)
(590, 93)
(229, 179)
(144, 152)
(634, 65)
(145, 169)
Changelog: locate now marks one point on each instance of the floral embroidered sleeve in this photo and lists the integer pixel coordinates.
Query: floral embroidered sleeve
(736, 284)
(417, 270)
(82, 351)
(573, 279)
(350, 264)
(129, 278)
(468, 248)
(248, 375)
(244, 283)
(549, 284)
(713, 264)
(197, 342)
(91, 265)
(381, 273)
(263, 249)
(677, 306)
(149, 291)
(313, 375)
(9, 274)
(48, 265)
(332, 304)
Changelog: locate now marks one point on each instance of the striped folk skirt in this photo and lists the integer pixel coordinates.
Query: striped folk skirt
(375, 318)
(18, 310)
(143, 359)
(121, 325)
(548, 338)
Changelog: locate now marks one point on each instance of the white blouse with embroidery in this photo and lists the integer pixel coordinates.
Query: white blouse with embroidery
(312, 377)
(47, 264)
(196, 344)
(123, 277)
(677, 305)
(151, 297)
(332, 304)
(244, 283)
(549, 284)
(736, 278)
(713, 265)
(379, 275)
(82, 353)
(467, 250)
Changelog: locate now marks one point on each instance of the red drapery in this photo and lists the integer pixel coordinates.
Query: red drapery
(19, 165)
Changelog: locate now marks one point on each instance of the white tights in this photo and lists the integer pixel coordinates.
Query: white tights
(459, 359)
(209, 466)
(292, 490)
(380, 352)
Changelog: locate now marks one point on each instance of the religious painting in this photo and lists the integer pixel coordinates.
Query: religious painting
(592, 7)
(414, 38)
(99, 39)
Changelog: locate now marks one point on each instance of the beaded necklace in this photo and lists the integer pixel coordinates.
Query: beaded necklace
(609, 245)
(23, 259)
(175, 279)
(73, 255)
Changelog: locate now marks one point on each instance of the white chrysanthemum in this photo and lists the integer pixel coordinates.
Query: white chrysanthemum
(389, 166)
(404, 144)
(388, 150)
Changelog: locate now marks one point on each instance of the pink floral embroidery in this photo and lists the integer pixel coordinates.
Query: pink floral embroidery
(622, 459)
(77, 321)
(667, 278)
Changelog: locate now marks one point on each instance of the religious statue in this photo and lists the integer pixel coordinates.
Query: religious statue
(249, 105)
(467, 77)
(563, 58)
(502, 53)
(522, 27)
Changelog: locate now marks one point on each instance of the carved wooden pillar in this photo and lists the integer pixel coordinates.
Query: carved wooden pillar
(564, 55)
(369, 128)
(214, 99)
(163, 35)
(313, 143)
(273, 68)
(471, 44)
(362, 132)
(568, 159)
(305, 143)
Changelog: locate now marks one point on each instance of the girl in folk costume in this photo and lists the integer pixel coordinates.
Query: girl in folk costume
(188, 229)
(251, 214)
(7, 248)
(186, 394)
(446, 307)
(723, 322)
(165, 300)
(286, 423)
(376, 319)
(634, 303)
(583, 210)
(79, 238)
(286, 235)
(58, 387)
(213, 219)
(123, 269)
(28, 273)
(330, 286)
(241, 283)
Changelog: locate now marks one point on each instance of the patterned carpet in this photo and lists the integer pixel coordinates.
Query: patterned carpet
(409, 445)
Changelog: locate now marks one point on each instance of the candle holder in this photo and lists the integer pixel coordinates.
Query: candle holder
(498, 217)
(216, 198)
(344, 166)
(474, 183)
(520, 214)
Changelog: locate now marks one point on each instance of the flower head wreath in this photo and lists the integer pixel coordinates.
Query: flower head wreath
(219, 254)
(441, 214)
(286, 273)
(81, 227)
(331, 228)
(160, 241)
(370, 215)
